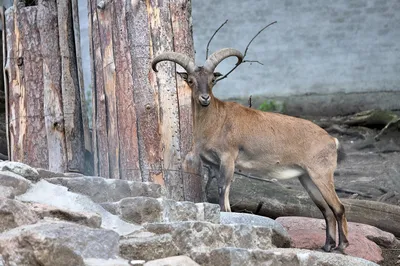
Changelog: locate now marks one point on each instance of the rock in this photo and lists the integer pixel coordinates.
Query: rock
(256, 220)
(309, 233)
(7, 192)
(172, 261)
(15, 182)
(84, 218)
(196, 239)
(20, 169)
(148, 247)
(14, 213)
(276, 201)
(59, 196)
(108, 262)
(142, 210)
(44, 173)
(111, 189)
(208, 212)
(56, 243)
(280, 256)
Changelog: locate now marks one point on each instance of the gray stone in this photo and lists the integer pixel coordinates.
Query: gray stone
(278, 256)
(107, 262)
(6, 192)
(172, 261)
(20, 169)
(14, 213)
(196, 239)
(111, 189)
(208, 212)
(17, 183)
(84, 218)
(142, 210)
(256, 220)
(47, 241)
(59, 196)
(148, 247)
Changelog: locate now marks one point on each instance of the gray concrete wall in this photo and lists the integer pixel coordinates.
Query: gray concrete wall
(317, 46)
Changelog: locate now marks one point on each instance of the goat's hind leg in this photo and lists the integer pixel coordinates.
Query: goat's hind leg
(330, 219)
(326, 186)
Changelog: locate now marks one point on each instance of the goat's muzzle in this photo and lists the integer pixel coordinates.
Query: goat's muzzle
(204, 99)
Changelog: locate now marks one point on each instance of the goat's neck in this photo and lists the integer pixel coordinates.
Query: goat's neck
(205, 118)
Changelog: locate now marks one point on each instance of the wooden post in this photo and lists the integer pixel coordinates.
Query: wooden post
(43, 101)
(142, 120)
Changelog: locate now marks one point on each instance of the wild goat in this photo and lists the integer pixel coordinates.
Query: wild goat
(228, 135)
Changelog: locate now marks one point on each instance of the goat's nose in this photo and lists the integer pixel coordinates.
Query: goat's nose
(205, 97)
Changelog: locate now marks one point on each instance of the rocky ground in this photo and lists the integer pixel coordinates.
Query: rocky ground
(61, 219)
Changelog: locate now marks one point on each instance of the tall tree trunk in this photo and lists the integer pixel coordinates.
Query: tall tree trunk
(43, 100)
(142, 120)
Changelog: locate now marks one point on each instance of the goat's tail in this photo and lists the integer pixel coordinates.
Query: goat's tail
(341, 155)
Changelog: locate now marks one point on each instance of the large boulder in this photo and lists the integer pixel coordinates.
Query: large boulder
(59, 196)
(90, 219)
(111, 189)
(196, 239)
(20, 169)
(56, 243)
(142, 210)
(14, 182)
(309, 233)
(279, 256)
(14, 213)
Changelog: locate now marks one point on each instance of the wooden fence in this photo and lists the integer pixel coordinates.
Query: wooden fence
(142, 121)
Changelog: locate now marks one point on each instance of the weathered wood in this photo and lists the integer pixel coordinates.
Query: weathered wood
(183, 43)
(78, 54)
(145, 96)
(100, 144)
(53, 109)
(105, 15)
(126, 113)
(161, 32)
(25, 101)
(73, 127)
(5, 75)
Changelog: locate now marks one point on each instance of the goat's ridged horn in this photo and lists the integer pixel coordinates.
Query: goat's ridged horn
(181, 59)
(217, 57)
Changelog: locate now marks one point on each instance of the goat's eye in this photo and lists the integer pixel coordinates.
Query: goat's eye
(190, 81)
(213, 80)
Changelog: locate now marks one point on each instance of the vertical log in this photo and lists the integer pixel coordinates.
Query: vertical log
(24, 72)
(77, 37)
(73, 126)
(104, 15)
(100, 144)
(53, 109)
(183, 43)
(146, 96)
(161, 32)
(5, 75)
(126, 113)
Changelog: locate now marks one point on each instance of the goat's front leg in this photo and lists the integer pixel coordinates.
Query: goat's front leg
(226, 170)
(192, 163)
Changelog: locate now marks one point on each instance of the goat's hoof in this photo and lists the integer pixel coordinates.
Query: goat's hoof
(342, 246)
(328, 247)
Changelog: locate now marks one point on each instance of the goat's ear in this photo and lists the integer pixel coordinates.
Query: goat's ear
(217, 74)
(183, 75)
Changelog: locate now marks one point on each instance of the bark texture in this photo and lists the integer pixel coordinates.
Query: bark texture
(43, 98)
(142, 120)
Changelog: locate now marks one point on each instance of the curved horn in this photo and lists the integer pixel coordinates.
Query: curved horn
(181, 59)
(220, 55)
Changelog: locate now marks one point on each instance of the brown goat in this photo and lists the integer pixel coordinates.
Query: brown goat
(228, 135)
